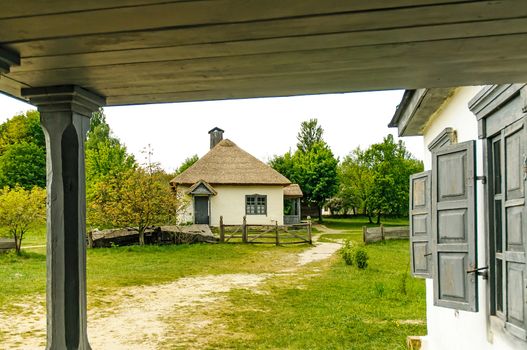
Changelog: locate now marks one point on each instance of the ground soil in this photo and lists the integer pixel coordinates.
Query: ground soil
(151, 317)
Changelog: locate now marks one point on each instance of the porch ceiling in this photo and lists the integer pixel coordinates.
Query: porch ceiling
(148, 51)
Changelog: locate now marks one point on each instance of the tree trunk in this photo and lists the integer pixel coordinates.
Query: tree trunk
(379, 217)
(319, 208)
(142, 237)
(369, 217)
(18, 244)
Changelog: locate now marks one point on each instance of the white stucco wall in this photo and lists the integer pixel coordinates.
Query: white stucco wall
(447, 328)
(229, 202)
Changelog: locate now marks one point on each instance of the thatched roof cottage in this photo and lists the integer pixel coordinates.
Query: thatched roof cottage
(229, 182)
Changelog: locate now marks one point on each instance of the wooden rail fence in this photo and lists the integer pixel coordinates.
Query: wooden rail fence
(376, 234)
(266, 234)
(7, 244)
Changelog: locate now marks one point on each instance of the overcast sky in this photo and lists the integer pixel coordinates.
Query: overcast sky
(263, 127)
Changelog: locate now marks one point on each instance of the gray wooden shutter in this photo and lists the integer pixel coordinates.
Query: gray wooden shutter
(454, 226)
(515, 226)
(420, 224)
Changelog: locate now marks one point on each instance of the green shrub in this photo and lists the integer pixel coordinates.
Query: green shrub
(354, 254)
(347, 252)
(361, 257)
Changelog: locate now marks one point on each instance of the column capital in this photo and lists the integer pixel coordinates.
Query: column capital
(64, 98)
(8, 59)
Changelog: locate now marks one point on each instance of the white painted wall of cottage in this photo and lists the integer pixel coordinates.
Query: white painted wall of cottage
(447, 328)
(229, 202)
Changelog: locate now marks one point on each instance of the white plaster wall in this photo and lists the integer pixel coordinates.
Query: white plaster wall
(447, 328)
(230, 203)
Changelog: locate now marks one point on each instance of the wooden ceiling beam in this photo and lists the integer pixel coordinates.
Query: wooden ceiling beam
(8, 59)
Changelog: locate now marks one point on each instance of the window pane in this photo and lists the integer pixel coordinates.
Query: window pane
(499, 285)
(496, 166)
(498, 240)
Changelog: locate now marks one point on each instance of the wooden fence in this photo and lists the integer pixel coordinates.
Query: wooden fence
(266, 234)
(7, 244)
(376, 234)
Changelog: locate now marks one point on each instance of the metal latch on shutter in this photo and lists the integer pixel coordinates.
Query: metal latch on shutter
(482, 271)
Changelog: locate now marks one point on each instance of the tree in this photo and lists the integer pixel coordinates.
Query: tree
(139, 198)
(23, 164)
(21, 210)
(187, 163)
(285, 165)
(22, 151)
(312, 166)
(22, 128)
(105, 155)
(391, 166)
(316, 173)
(355, 181)
(310, 133)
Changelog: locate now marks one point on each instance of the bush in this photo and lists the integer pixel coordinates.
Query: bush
(347, 252)
(361, 258)
(354, 255)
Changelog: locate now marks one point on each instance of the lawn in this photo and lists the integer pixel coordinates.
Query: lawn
(323, 305)
(356, 223)
(338, 306)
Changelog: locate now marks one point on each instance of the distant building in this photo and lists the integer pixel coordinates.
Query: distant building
(229, 182)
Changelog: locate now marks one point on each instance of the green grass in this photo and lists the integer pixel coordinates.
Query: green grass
(326, 305)
(112, 268)
(356, 223)
(341, 308)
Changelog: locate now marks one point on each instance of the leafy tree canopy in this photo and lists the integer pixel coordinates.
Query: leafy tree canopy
(313, 165)
(187, 163)
(139, 198)
(310, 133)
(22, 128)
(23, 164)
(22, 151)
(105, 155)
(377, 180)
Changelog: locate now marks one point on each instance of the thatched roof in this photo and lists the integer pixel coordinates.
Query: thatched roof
(293, 191)
(228, 164)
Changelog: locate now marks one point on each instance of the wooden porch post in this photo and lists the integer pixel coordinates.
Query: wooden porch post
(65, 113)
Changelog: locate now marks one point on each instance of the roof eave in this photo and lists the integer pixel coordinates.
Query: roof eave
(416, 108)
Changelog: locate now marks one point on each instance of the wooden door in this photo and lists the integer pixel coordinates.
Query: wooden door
(201, 210)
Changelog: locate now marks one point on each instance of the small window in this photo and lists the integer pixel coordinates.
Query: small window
(256, 204)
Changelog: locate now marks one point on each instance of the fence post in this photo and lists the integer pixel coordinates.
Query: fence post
(222, 230)
(276, 232)
(309, 234)
(364, 232)
(244, 229)
(382, 232)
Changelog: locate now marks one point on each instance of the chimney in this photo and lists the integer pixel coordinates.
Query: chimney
(216, 135)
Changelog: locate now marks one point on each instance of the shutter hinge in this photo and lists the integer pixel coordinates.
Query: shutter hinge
(483, 179)
(482, 271)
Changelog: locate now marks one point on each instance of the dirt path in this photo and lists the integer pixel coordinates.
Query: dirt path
(145, 317)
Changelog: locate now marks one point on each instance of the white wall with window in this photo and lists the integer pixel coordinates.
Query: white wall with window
(452, 326)
(262, 205)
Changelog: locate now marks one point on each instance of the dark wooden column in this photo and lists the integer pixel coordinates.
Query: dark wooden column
(65, 113)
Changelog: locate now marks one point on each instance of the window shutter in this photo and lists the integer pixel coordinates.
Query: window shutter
(454, 226)
(515, 240)
(420, 224)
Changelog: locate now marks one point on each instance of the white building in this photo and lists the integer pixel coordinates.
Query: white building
(468, 214)
(230, 183)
